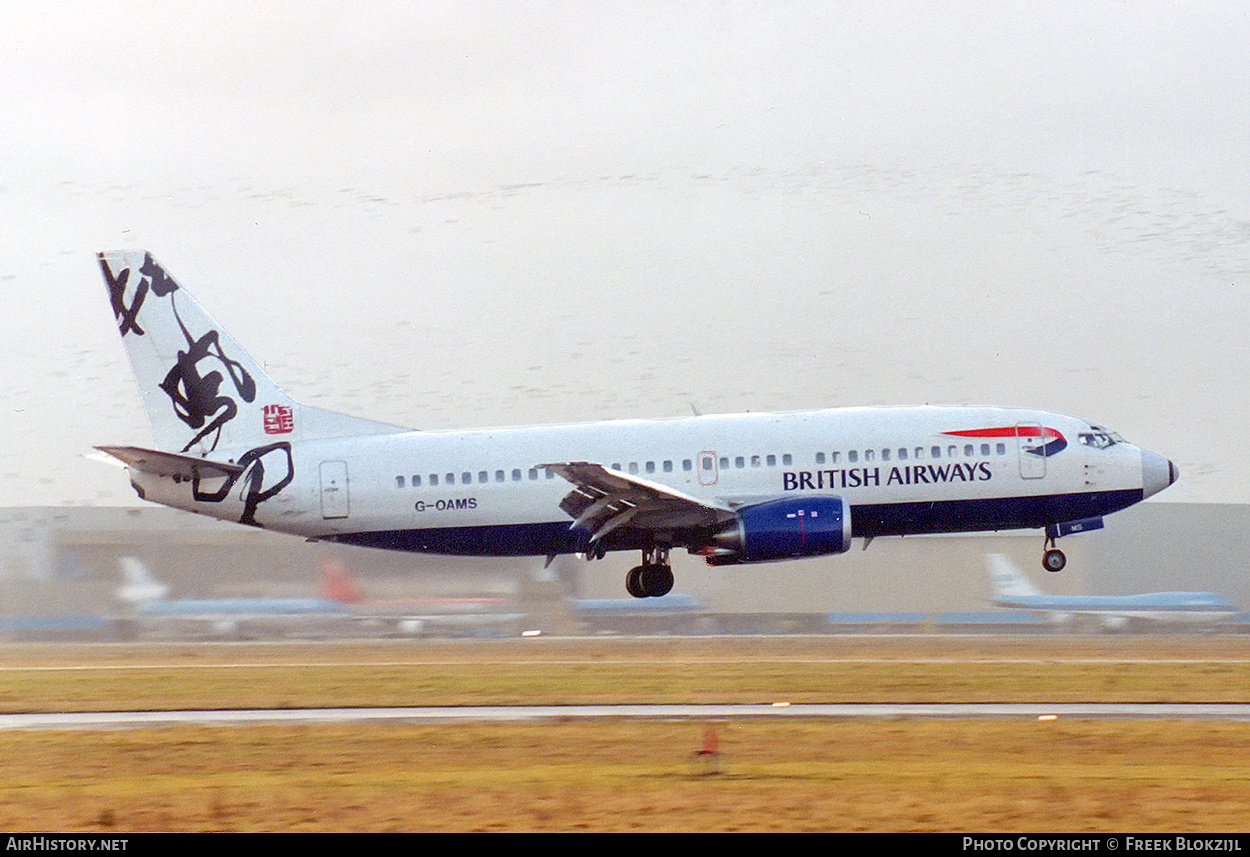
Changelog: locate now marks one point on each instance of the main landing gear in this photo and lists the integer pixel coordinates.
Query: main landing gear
(1053, 558)
(653, 578)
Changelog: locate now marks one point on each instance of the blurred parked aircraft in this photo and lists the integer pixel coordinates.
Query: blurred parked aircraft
(1013, 589)
(342, 601)
(222, 616)
(430, 616)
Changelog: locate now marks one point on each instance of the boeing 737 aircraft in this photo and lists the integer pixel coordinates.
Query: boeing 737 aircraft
(147, 597)
(1013, 589)
(341, 602)
(742, 488)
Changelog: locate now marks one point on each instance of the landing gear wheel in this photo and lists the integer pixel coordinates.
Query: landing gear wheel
(1054, 560)
(656, 580)
(650, 580)
(654, 577)
(633, 582)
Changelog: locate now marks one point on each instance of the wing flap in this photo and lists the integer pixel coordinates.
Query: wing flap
(603, 500)
(160, 463)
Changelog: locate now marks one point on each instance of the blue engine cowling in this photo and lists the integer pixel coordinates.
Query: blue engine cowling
(789, 528)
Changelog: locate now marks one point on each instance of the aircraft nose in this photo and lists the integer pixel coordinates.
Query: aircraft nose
(1157, 473)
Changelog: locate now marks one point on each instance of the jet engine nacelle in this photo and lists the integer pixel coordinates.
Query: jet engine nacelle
(783, 529)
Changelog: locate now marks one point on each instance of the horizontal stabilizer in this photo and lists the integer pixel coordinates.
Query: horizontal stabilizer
(170, 463)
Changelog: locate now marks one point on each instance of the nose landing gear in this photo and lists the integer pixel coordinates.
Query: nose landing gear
(653, 578)
(1053, 559)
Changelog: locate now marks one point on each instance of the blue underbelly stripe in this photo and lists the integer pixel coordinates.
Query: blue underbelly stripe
(877, 519)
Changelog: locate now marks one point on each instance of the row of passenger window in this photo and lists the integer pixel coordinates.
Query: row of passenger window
(853, 456)
(466, 477)
(918, 453)
(740, 461)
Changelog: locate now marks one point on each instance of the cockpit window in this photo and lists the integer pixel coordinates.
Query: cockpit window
(1099, 437)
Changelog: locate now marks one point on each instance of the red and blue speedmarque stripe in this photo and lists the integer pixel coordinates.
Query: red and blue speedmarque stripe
(1057, 443)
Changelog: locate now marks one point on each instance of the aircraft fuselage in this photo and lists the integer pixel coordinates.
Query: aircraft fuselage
(485, 492)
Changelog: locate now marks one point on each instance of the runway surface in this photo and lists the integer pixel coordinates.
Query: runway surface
(523, 713)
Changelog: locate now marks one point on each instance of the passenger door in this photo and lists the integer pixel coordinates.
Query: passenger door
(1032, 450)
(707, 467)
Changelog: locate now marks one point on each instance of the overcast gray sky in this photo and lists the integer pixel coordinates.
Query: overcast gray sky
(457, 214)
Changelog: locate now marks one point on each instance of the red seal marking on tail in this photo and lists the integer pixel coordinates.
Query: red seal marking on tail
(279, 419)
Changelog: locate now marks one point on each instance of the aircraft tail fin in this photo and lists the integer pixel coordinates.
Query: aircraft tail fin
(138, 584)
(200, 389)
(1009, 581)
(337, 584)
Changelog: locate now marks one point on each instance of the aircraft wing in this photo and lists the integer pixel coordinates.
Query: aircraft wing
(603, 500)
(170, 463)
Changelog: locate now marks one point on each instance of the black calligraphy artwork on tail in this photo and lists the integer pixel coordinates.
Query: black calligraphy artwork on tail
(155, 279)
(194, 382)
(254, 480)
(196, 397)
(197, 385)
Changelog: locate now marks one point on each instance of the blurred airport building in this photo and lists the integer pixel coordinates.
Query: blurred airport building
(61, 574)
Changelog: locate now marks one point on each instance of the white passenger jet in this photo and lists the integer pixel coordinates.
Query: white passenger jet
(1013, 589)
(741, 488)
(147, 596)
